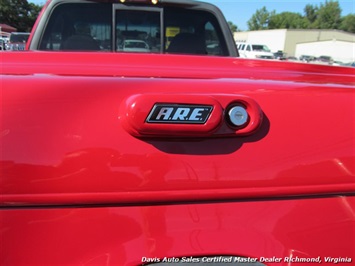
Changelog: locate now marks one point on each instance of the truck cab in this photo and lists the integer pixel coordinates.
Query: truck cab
(185, 27)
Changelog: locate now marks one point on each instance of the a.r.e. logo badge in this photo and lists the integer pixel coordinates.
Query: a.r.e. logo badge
(179, 114)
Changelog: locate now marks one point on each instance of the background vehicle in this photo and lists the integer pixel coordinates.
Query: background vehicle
(292, 58)
(135, 46)
(279, 55)
(17, 41)
(324, 59)
(259, 51)
(113, 158)
(307, 58)
(2, 44)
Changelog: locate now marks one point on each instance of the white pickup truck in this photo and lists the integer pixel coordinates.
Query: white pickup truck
(250, 50)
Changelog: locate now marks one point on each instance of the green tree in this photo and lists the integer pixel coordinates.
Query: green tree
(260, 20)
(348, 23)
(287, 20)
(325, 16)
(19, 14)
(310, 12)
(328, 16)
(232, 26)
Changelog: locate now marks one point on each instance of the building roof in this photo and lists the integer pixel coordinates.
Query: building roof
(7, 28)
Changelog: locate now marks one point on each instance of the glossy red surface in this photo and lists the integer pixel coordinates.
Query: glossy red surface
(124, 235)
(65, 151)
(170, 66)
(62, 142)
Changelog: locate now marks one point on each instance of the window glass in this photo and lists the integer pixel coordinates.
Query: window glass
(19, 37)
(192, 32)
(213, 45)
(79, 26)
(88, 27)
(263, 48)
(138, 31)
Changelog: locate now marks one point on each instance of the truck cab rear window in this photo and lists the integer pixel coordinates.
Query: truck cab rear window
(139, 29)
(79, 27)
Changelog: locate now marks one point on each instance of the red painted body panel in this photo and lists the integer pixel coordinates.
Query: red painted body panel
(125, 235)
(78, 188)
(173, 66)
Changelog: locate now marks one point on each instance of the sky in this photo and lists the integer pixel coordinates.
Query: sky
(240, 11)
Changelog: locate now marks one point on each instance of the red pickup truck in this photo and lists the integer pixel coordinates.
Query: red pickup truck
(170, 156)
